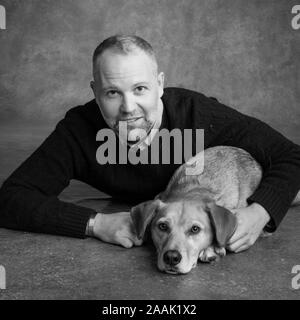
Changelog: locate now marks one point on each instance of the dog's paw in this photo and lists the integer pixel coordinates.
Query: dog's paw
(220, 251)
(211, 254)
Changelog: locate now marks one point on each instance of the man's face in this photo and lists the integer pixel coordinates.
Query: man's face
(127, 88)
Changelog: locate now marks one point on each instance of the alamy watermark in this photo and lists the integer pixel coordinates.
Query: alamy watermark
(2, 278)
(296, 279)
(2, 18)
(296, 19)
(182, 147)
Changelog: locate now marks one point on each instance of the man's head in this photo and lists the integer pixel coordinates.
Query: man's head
(127, 85)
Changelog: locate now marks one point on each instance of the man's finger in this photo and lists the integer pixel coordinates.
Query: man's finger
(125, 242)
(137, 242)
(132, 237)
(237, 236)
(243, 248)
(131, 234)
(234, 246)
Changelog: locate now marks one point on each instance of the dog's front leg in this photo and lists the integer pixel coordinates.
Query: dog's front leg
(212, 253)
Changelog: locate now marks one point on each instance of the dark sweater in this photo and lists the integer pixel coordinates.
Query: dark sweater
(28, 198)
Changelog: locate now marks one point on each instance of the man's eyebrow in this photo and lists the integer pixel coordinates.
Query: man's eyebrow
(109, 88)
(143, 83)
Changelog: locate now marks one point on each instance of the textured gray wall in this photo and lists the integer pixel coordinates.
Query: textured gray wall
(245, 53)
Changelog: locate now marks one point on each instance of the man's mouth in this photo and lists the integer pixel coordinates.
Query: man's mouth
(129, 120)
(133, 129)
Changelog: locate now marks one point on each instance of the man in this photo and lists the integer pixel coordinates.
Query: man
(129, 89)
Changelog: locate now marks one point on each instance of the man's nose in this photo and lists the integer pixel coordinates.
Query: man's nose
(128, 104)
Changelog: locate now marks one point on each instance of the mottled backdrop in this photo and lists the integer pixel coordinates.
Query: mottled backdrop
(245, 53)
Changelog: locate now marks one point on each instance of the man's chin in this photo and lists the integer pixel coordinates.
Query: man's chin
(135, 134)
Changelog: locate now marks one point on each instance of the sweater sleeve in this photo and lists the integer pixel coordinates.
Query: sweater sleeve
(280, 160)
(28, 198)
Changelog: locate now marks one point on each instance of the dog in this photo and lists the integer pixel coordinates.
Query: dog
(192, 219)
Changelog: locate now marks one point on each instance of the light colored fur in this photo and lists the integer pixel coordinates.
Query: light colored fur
(204, 199)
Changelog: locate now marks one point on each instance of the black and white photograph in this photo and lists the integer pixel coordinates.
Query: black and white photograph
(149, 151)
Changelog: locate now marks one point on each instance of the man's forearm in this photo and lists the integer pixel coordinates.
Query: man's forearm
(29, 210)
(280, 161)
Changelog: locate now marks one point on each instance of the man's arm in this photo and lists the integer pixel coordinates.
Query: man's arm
(280, 160)
(28, 198)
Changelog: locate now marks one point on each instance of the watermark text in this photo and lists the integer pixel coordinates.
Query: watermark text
(296, 19)
(2, 18)
(166, 147)
(296, 278)
(2, 278)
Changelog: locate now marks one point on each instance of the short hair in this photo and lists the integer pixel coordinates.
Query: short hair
(124, 44)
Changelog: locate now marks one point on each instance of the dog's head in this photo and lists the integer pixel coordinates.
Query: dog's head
(180, 230)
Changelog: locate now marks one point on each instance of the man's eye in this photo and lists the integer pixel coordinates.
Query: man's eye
(195, 229)
(112, 93)
(163, 226)
(140, 89)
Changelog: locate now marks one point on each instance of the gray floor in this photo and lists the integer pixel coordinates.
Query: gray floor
(40, 266)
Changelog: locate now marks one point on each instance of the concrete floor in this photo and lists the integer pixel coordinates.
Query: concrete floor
(40, 266)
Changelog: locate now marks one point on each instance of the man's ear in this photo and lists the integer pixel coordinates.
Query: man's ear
(142, 215)
(223, 222)
(92, 85)
(161, 80)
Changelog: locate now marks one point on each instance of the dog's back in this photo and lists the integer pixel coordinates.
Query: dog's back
(230, 175)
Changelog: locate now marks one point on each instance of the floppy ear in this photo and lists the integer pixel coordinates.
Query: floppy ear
(142, 215)
(223, 222)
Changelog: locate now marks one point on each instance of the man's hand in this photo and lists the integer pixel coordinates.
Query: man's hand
(116, 228)
(250, 223)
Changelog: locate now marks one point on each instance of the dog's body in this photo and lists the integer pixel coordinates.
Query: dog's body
(229, 176)
(191, 219)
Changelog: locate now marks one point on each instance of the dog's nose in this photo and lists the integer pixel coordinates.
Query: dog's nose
(172, 257)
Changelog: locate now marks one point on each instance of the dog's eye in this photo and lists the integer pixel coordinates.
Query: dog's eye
(195, 229)
(163, 226)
